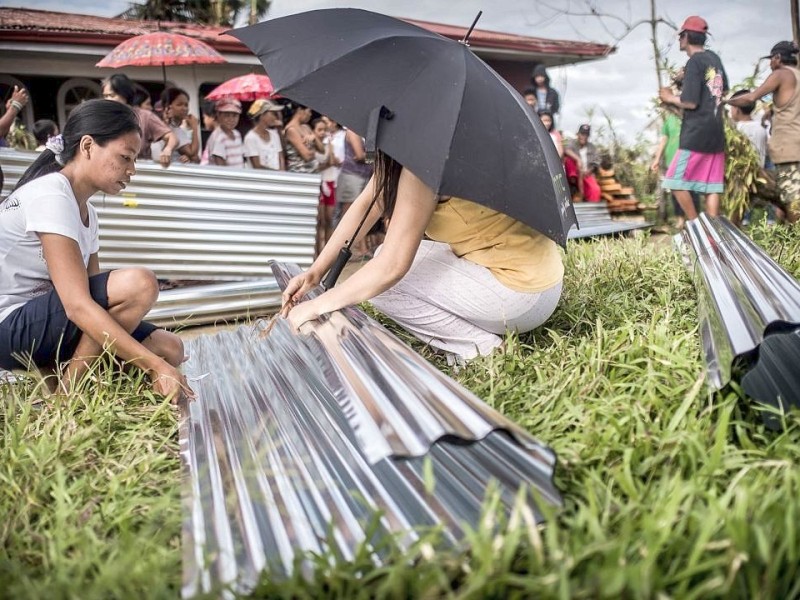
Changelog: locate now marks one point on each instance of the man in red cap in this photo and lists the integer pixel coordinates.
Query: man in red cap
(784, 145)
(699, 163)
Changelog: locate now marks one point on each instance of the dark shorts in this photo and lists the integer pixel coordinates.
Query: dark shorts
(39, 329)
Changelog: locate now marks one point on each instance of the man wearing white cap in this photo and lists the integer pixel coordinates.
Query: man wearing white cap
(225, 147)
(699, 164)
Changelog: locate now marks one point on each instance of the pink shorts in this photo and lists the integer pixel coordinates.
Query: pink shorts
(327, 193)
(696, 172)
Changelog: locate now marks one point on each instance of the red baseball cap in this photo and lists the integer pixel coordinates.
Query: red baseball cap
(695, 23)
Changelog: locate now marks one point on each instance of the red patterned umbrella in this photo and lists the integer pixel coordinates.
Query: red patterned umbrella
(160, 49)
(245, 88)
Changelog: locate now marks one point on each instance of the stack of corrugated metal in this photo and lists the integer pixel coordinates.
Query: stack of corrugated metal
(595, 219)
(749, 310)
(295, 442)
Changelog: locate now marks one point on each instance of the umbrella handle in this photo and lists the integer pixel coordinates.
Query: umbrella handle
(336, 269)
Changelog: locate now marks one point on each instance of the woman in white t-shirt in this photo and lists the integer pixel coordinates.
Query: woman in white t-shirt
(55, 304)
(262, 144)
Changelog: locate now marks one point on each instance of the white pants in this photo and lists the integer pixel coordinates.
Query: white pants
(460, 307)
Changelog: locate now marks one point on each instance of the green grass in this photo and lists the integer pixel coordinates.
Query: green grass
(669, 491)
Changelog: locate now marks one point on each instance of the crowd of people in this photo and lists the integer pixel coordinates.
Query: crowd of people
(693, 134)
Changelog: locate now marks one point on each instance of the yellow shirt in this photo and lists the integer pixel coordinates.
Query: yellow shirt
(519, 257)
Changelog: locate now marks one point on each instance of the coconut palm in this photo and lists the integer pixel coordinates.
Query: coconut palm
(208, 12)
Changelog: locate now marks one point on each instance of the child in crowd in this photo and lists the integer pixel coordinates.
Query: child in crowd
(208, 113)
(547, 120)
(580, 163)
(185, 126)
(225, 147)
(331, 136)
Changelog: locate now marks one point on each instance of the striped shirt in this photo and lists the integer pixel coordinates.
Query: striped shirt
(223, 146)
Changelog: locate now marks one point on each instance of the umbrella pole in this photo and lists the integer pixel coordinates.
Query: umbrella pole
(345, 253)
(465, 39)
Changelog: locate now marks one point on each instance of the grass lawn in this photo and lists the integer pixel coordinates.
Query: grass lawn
(669, 491)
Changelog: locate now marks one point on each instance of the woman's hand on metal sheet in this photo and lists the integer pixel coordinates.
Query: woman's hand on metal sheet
(303, 313)
(165, 158)
(297, 288)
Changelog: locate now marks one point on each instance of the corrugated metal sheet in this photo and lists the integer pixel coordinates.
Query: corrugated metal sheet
(293, 443)
(215, 303)
(203, 223)
(594, 219)
(749, 310)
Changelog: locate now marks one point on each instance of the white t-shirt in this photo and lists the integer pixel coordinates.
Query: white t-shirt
(757, 135)
(232, 150)
(268, 152)
(337, 141)
(45, 205)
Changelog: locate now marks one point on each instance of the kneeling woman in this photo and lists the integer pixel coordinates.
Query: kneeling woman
(55, 304)
(479, 274)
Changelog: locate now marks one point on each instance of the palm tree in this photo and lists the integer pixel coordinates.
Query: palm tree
(207, 12)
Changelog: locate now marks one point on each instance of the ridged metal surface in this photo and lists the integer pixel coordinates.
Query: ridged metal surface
(749, 311)
(294, 441)
(225, 302)
(211, 224)
(594, 219)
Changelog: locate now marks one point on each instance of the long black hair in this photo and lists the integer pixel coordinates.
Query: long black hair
(387, 178)
(103, 120)
(125, 88)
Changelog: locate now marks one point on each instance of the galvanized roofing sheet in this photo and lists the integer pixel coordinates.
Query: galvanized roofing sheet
(294, 441)
(595, 219)
(749, 310)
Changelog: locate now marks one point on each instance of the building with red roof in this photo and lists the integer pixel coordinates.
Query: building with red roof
(54, 54)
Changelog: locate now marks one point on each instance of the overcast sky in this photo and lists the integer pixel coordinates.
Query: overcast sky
(623, 85)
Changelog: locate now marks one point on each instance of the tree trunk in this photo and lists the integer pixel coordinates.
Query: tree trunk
(253, 13)
(795, 9)
(654, 40)
(661, 197)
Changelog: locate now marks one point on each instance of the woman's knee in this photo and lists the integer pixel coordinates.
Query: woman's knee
(133, 284)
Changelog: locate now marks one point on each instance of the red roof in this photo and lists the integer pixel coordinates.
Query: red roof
(42, 26)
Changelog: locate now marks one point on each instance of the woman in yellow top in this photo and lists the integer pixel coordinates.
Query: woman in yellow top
(479, 274)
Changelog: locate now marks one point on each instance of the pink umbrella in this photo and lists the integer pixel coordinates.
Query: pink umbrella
(161, 48)
(245, 88)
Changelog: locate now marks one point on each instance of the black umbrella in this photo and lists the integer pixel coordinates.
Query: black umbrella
(426, 101)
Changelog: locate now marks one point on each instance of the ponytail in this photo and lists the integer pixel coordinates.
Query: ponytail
(45, 164)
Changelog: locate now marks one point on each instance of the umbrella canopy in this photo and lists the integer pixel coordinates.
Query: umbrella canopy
(159, 49)
(244, 88)
(452, 120)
